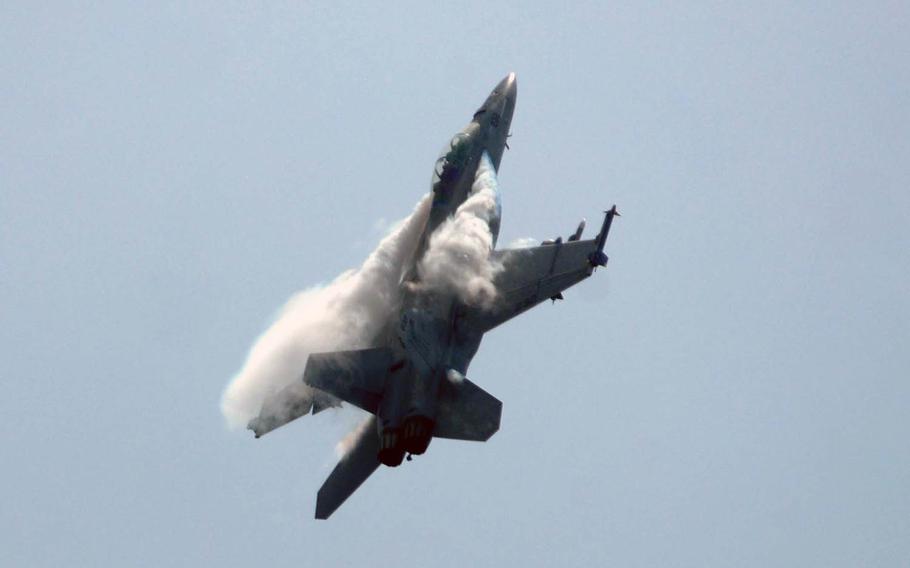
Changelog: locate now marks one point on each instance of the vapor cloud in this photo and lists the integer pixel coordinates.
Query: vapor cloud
(346, 314)
(458, 256)
(351, 311)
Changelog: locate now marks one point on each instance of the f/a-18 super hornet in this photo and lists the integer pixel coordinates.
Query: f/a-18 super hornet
(412, 380)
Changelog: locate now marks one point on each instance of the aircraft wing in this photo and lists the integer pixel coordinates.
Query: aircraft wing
(289, 404)
(532, 275)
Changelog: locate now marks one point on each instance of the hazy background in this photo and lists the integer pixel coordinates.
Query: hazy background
(732, 391)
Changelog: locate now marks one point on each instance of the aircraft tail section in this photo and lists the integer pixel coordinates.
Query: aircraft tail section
(466, 411)
(350, 473)
(357, 376)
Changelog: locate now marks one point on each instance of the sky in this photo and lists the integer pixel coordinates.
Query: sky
(731, 391)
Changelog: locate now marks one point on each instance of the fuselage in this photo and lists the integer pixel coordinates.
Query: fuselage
(427, 338)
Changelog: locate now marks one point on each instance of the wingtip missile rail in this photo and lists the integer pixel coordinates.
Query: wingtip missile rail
(598, 258)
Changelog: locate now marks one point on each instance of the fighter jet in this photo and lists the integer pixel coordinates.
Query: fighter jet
(413, 380)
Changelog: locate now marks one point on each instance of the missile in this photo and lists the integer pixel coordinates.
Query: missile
(598, 258)
(577, 234)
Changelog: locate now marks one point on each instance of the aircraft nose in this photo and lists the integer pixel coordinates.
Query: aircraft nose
(502, 99)
(506, 90)
(508, 86)
(495, 117)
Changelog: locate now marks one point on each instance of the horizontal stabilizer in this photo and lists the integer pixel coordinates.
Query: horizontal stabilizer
(466, 411)
(350, 473)
(355, 376)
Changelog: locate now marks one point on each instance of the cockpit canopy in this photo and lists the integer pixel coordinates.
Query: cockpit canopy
(453, 157)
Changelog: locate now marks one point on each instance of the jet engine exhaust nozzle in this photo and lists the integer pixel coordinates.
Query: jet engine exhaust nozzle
(390, 451)
(418, 431)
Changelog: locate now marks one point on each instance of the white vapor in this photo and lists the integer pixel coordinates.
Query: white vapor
(346, 314)
(351, 311)
(346, 444)
(523, 243)
(458, 256)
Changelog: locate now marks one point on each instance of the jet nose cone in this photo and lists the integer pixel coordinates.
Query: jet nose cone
(502, 99)
(508, 92)
(510, 81)
(508, 87)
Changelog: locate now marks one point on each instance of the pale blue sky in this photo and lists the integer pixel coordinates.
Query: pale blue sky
(732, 391)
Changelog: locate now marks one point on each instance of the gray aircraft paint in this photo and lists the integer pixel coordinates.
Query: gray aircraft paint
(413, 379)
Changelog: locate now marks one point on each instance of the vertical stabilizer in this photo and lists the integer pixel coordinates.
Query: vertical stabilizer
(351, 471)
